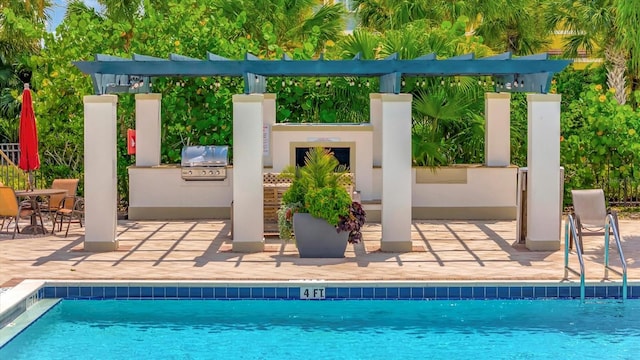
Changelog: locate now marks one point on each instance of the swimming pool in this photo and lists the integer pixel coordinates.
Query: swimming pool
(342, 329)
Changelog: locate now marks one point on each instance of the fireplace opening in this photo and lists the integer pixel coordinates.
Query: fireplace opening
(342, 154)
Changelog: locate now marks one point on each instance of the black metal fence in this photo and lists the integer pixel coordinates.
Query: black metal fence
(621, 192)
(10, 173)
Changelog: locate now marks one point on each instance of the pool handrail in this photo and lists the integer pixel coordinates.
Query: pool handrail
(611, 221)
(571, 225)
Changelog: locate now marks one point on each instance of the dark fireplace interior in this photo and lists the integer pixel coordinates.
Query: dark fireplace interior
(341, 153)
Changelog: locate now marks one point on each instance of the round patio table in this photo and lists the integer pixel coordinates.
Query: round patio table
(32, 196)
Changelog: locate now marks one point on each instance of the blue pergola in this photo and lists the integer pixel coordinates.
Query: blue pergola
(113, 74)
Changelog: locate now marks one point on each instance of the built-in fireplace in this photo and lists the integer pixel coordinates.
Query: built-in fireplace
(342, 154)
(351, 143)
(344, 151)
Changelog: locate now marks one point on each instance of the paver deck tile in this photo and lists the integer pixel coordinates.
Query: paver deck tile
(202, 250)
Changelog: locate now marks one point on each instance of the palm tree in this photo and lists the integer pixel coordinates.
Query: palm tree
(595, 26)
(40, 6)
(382, 15)
(291, 21)
(15, 45)
(9, 104)
(360, 42)
(122, 11)
(509, 25)
(413, 40)
(440, 115)
(506, 25)
(628, 16)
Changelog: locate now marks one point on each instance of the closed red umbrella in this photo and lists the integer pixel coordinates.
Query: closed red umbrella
(29, 157)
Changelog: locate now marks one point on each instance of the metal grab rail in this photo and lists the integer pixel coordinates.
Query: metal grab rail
(571, 225)
(611, 222)
(10, 174)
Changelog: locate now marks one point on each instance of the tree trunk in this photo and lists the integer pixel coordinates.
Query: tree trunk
(617, 66)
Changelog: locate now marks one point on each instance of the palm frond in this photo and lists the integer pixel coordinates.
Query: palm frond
(321, 169)
(328, 20)
(362, 42)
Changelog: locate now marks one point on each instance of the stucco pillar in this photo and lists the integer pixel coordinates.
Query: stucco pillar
(268, 119)
(248, 196)
(497, 135)
(100, 179)
(148, 129)
(543, 179)
(375, 117)
(396, 172)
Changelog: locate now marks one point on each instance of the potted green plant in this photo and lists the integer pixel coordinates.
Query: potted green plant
(317, 209)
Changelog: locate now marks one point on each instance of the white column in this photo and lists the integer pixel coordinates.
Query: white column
(375, 118)
(148, 130)
(497, 135)
(396, 172)
(248, 196)
(269, 119)
(543, 179)
(100, 179)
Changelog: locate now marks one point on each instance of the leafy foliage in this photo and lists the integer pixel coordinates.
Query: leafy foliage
(285, 218)
(329, 203)
(287, 24)
(444, 127)
(448, 118)
(600, 143)
(604, 28)
(353, 222)
(318, 188)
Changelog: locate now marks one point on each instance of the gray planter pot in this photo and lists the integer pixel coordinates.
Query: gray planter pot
(316, 238)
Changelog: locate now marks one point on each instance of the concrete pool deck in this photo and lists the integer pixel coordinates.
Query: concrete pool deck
(201, 250)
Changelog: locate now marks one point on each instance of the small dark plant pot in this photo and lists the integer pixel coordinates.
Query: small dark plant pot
(316, 238)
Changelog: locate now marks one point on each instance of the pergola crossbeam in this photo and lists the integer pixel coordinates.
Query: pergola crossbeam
(535, 70)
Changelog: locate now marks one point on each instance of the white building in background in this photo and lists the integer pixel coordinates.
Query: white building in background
(350, 21)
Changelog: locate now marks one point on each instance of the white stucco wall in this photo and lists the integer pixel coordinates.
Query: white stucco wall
(282, 135)
(485, 187)
(163, 187)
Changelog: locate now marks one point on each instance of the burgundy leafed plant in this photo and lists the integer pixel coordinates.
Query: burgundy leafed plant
(353, 222)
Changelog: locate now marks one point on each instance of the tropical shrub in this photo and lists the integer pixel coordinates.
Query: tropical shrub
(600, 144)
(198, 110)
(318, 188)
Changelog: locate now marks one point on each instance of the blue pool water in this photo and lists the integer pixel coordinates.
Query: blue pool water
(367, 329)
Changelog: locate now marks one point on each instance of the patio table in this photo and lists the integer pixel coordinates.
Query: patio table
(32, 196)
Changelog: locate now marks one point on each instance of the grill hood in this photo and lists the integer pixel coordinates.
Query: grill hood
(204, 162)
(212, 155)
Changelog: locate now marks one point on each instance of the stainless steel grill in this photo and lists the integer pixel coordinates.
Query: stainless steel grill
(204, 162)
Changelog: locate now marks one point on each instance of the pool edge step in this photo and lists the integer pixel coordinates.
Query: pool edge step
(26, 318)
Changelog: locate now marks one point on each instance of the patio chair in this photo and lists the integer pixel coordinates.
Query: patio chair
(56, 202)
(70, 210)
(590, 213)
(12, 210)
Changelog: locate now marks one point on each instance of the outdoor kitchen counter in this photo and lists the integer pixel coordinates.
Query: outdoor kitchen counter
(160, 193)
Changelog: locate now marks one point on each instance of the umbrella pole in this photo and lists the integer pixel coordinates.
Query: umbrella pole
(31, 180)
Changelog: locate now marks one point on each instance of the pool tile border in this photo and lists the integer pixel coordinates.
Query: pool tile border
(332, 291)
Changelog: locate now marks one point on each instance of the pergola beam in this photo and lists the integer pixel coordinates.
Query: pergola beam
(390, 70)
(364, 68)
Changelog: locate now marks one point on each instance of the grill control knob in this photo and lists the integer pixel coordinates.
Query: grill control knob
(210, 172)
(189, 172)
(204, 172)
